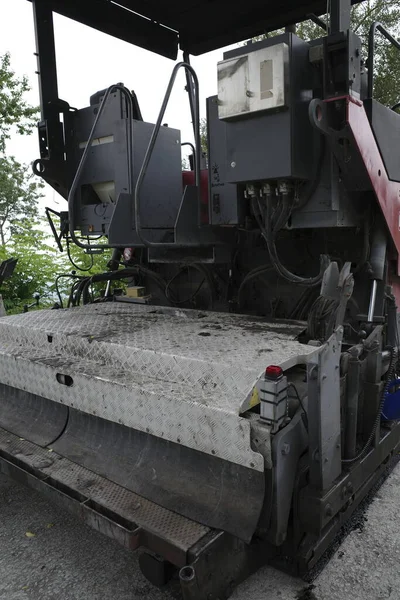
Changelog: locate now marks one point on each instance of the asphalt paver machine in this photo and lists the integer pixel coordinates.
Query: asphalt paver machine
(235, 403)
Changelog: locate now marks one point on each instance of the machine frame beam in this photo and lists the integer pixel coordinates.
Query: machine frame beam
(46, 56)
(340, 14)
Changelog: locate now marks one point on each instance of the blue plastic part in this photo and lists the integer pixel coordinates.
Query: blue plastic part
(391, 408)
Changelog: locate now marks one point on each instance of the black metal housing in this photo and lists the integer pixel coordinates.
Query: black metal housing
(199, 26)
(275, 144)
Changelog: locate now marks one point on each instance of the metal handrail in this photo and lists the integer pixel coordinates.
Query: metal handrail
(189, 69)
(71, 195)
(376, 26)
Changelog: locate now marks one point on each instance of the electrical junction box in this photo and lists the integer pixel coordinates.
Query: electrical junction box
(253, 82)
(260, 129)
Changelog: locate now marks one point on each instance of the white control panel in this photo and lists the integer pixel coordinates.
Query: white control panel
(253, 82)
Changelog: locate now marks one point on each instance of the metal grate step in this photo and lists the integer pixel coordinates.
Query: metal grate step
(109, 508)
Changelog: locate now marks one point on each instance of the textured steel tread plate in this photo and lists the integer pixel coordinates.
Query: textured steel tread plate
(218, 355)
(181, 375)
(151, 409)
(179, 531)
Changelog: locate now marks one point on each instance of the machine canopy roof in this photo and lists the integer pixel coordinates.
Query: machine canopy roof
(194, 25)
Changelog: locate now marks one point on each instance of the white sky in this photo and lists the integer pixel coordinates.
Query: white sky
(89, 61)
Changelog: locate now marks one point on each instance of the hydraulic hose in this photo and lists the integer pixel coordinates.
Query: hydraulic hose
(269, 236)
(389, 377)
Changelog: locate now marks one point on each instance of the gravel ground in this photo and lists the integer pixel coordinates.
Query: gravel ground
(64, 560)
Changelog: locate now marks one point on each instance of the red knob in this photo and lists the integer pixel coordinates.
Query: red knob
(273, 372)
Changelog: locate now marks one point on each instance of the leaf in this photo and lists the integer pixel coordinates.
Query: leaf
(29, 534)
(49, 525)
(14, 110)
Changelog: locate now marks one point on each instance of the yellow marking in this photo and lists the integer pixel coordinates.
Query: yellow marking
(135, 291)
(254, 400)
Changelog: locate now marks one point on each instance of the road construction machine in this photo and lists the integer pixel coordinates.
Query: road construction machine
(229, 395)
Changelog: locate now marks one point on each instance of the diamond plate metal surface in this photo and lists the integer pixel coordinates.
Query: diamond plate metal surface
(177, 374)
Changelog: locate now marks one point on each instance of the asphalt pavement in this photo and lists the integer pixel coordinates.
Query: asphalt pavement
(46, 554)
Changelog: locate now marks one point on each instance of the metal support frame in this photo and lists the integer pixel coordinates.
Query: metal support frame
(353, 392)
(340, 15)
(317, 510)
(116, 20)
(194, 94)
(53, 145)
(192, 99)
(51, 164)
(324, 414)
(315, 19)
(46, 56)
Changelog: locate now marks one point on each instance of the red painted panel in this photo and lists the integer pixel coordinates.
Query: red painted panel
(387, 192)
(188, 179)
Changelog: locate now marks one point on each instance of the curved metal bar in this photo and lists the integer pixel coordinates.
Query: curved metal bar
(72, 191)
(188, 68)
(191, 92)
(192, 148)
(376, 26)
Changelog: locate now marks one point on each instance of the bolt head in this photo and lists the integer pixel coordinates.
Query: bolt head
(285, 449)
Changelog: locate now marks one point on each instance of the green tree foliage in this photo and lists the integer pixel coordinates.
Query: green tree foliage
(38, 263)
(20, 192)
(387, 60)
(203, 135)
(204, 143)
(14, 110)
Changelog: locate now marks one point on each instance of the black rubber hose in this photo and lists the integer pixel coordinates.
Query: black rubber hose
(287, 205)
(254, 274)
(269, 237)
(125, 273)
(389, 377)
(80, 290)
(186, 300)
(67, 276)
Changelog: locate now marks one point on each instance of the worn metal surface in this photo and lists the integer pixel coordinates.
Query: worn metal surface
(287, 447)
(161, 530)
(387, 192)
(253, 82)
(316, 509)
(201, 487)
(179, 375)
(30, 416)
(324, 414)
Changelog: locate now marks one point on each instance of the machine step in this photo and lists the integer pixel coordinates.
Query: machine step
(108, 508)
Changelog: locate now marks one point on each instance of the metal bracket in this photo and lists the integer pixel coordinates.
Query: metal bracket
(323, 371)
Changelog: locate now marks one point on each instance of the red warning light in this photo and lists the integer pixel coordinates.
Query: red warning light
(273, 372)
